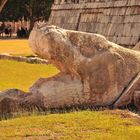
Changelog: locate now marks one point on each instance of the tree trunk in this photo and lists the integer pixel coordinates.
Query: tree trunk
(2, 4)
(32, 22)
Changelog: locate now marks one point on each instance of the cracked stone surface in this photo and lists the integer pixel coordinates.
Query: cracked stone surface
(93, 72)
(137, 47)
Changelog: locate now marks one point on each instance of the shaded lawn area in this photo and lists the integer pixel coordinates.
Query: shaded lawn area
(15, 47)
(22, 75)
(82, 125)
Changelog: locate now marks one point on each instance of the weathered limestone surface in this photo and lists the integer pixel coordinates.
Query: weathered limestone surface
(137, 47)
(117, 20)
(32, 60)
(94, 71)
(14, 100)
(10, 101)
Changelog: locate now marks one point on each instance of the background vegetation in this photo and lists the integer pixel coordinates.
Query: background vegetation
(33, 10)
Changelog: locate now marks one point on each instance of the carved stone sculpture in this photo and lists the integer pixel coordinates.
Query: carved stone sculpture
(93, 72)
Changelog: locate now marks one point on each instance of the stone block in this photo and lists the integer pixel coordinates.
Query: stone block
(120, 3)
(72, 20)
(82, 27)
(126, 29)
(119, 29)
(133, 10)
(100, 28)
(135, 29)
(136, 18)
(115, 11)
(133, 3)
(106, 19)
(112, 38)
(117, 19)
(129, 18)
(94, 27)
(111, 30)
(129, 41)
(112, 18)
(123, 40)
(134, 40)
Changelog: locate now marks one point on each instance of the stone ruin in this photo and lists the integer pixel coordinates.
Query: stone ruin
(117, 20)
(94, 72)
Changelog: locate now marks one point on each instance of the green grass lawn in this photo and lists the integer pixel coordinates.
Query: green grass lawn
(84, 125)
(22, 75)
(15, 47)
(19, 74)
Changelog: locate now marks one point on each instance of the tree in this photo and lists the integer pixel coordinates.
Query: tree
(33, 10)
(38, 9)
(2, 4)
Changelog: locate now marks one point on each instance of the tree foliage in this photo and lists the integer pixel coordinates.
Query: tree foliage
(29, 9)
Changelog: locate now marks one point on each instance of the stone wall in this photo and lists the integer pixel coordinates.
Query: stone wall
(118, 20)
